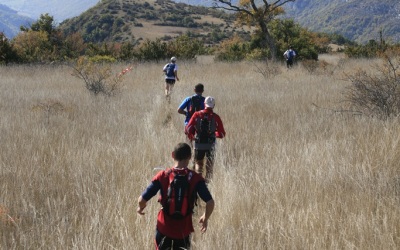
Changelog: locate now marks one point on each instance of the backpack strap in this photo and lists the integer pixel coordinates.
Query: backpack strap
(164, 188)
(192, 108)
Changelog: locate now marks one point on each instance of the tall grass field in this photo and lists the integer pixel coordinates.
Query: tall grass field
(297, 169)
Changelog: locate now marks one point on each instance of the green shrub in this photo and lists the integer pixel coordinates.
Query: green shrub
(7, 52)
(151, 50)
(185, 47)
(98, 77)
(231, 50)
(33, 46)
(102, 59)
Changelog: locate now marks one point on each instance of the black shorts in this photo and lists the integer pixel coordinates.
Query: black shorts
(199, 154)
(170, 81)
(163, 242)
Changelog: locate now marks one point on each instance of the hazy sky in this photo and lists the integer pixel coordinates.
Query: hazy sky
(59, 9)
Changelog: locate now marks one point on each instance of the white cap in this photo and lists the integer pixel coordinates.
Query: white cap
(173, 59)
(209, 102)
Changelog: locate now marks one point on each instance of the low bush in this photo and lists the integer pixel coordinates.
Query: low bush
(377, 94)
(97, 75)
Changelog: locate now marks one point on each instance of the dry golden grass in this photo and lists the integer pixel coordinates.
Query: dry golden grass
(291, 174)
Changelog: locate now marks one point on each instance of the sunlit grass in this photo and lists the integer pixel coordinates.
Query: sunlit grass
(293, 172)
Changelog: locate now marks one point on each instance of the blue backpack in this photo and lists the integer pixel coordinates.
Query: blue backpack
(290, 54)
(169, 71)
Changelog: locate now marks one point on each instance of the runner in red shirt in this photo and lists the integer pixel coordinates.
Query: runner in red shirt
(174, 233)
(204, 135)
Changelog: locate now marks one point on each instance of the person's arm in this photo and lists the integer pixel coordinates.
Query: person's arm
(184, 105)
(141, 205)
(204, 218)
(190, 129)
(205, 195)
(150, 191)
(181, 111)
(220, 131)
(176, 72)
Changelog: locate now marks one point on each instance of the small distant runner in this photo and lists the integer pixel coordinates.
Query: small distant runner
(289, 55)
(171, 75)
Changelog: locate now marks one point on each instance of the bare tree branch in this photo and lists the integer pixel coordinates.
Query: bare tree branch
(279, 3)
(257, 12)
(230, 7)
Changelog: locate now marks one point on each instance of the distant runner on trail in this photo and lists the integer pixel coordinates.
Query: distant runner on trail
(192, 103)
(171, 74)
(289, 55)
(179, 187)
(204, 127)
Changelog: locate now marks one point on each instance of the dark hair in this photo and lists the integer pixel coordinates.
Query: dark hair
(182, 151)
(199, 88)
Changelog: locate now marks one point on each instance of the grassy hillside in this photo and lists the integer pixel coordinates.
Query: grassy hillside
(288, 175)
(140, 19)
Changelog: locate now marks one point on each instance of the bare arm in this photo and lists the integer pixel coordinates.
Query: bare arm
(176, 75)
(204, 218)
(181, 111)
(141, 205)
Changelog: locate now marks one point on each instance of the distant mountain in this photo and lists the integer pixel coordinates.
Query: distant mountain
(357, 20)
(59, 9)
(10, 21)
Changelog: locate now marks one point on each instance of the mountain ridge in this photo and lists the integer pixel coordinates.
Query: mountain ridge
(11, 21)
(59, 9)
(359, 21)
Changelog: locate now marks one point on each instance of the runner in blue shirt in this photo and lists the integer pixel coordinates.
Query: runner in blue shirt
(171, 74)
(192, 103)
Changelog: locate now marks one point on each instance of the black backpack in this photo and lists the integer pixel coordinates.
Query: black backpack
(205, 128)
(195, 104)
(180, 199)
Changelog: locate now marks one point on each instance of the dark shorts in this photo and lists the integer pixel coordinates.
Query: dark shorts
(163, 242)
(170, 81)
(199, 154)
